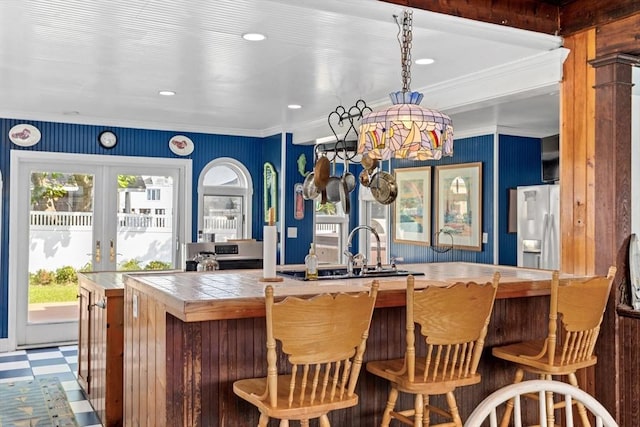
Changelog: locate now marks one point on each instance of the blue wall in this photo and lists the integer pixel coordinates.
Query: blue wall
(75, 138)
(466, 150)
(296, 249)
(520, 164)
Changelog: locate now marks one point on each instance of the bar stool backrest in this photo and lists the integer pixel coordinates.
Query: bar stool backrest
(453, 322)
(323, 338)
(578, 307)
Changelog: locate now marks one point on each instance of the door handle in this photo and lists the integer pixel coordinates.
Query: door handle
(98, 252)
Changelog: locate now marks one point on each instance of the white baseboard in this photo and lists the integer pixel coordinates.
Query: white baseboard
(6, 345)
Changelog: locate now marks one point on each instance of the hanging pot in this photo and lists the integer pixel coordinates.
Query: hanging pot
(344, 196)
(368, 163)
(348, 179)
(309, 189)
(321, 173)
(334, 187)
(384, 187)
(364, 178)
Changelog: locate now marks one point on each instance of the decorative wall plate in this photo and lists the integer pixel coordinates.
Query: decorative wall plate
(181, 145)
(24, 135)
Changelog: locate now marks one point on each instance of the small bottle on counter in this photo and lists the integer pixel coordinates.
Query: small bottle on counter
(311, 264)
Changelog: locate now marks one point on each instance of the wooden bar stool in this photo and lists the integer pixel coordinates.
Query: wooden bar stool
(576, 308)
(453, 321)
(323, 340)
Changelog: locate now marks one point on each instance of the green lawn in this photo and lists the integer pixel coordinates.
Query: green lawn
(52, 293)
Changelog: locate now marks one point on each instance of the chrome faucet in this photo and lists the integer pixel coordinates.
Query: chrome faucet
(351, 257)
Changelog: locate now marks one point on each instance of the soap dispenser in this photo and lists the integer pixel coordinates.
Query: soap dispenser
(311, 264)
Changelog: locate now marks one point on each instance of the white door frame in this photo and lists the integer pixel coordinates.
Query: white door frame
(18, 250)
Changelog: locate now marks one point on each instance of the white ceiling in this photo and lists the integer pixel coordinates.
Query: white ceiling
(103, 62)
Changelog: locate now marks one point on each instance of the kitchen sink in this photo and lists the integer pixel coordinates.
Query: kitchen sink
(340, 273)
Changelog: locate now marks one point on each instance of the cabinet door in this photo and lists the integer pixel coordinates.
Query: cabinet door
(84, 341)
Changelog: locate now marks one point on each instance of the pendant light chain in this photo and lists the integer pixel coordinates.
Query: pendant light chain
(405, 46)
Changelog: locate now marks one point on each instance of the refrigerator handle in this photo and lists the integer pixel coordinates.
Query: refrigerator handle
(544, 256)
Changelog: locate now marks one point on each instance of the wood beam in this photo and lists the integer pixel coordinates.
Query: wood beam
(544, 16)
(623, 36)
(532, 15)
(582, 14)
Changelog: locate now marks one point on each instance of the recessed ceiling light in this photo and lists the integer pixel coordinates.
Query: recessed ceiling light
(254, 37)
(424, 61)
(166, 93)
(294, 106)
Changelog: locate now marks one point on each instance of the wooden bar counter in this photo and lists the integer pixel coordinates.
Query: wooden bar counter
(189, 336)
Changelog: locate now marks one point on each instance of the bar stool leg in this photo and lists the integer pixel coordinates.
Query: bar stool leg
(573, 380)
(426, 416)
(284, 423)
(304, 423)
(508, 410)
(418, 410)
(550, 409)
(453, 408)
(391, 403)
(324, 421)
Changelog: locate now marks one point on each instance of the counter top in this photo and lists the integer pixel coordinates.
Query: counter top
(198, 296)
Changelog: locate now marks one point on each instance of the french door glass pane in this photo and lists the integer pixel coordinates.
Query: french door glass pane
(60, 242)
(145, 223)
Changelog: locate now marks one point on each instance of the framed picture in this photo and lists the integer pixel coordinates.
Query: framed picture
(459, 205)
(412, 211)
(270, 190)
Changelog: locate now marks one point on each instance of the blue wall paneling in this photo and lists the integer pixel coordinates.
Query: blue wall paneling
(79, 138)
(466, 150)
(520, 163)
(297, 248)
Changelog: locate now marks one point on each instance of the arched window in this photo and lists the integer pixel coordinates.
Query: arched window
(224, 200)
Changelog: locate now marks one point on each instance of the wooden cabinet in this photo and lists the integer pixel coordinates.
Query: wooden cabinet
(100, 343)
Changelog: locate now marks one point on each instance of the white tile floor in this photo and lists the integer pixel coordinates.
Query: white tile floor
(60, 362)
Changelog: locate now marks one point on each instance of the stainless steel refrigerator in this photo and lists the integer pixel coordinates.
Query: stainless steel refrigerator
(539, 226)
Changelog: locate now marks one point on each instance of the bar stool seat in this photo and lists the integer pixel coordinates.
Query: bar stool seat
(453, 321)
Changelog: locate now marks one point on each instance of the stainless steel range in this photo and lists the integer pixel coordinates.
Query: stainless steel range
(238, 254)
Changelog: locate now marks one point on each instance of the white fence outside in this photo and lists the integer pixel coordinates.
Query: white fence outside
(58, 239)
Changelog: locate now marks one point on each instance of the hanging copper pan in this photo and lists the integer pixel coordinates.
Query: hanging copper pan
(384, 187)
(321, 173)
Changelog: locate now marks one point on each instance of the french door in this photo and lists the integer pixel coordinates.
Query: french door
(73, 213)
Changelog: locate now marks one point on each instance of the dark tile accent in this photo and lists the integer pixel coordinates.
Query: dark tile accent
(13, 358)
(48, 362)
(15, 373)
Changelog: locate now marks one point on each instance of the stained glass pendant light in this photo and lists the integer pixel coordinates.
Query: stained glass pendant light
(405, 130)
